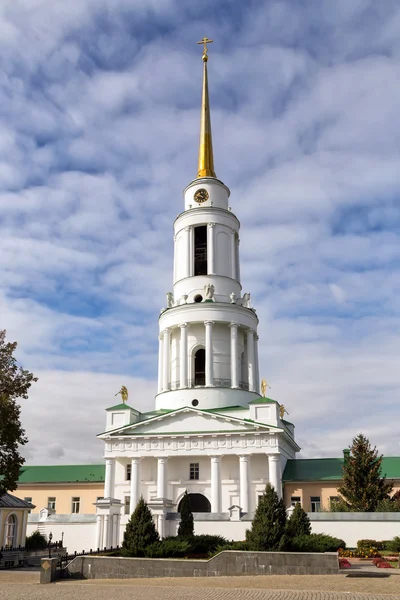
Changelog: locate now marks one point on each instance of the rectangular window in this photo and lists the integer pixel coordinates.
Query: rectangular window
(315, 503)
(76, 505)
(200, 250)
(294, 500)
(128, 472)
(28, 499)
(194, 471)
(51, 503)
(127, 505)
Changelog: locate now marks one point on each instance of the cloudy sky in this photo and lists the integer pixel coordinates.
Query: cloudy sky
(99, 120)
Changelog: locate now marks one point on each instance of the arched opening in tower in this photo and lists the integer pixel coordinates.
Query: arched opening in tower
(200, 367)
(200, 250)
(198, 503)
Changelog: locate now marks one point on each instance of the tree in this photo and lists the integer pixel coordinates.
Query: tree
(186, 526)
(14, 383)
(363, 486)
(299, 523)
(140, 531)
(269, 522)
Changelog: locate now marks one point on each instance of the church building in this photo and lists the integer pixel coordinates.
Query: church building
(211, 433)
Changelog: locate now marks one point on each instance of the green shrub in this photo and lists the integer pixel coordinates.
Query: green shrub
(242, 546)
(36, 541)
(269, 522)
(140, 531)
(204, 544)
(394, 544)
(316, 542)
(371, 544)
(186, 526)
(299, 523)
(168, 548)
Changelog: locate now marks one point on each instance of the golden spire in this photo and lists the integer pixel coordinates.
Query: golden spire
(206, 158)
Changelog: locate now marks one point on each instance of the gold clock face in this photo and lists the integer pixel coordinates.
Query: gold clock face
(201, 196)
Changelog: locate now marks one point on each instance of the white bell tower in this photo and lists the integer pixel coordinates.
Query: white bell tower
(208, 353)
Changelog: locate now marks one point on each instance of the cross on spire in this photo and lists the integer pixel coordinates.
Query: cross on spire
(205, 41)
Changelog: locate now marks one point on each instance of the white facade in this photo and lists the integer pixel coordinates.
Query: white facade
(211, 432)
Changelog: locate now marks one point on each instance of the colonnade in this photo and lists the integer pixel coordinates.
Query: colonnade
(188, 267)
(164, 358)
(275, 476)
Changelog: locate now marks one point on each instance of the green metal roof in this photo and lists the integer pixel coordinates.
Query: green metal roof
(330, 469)
(62, 474)
(263, 400)
(121, 406)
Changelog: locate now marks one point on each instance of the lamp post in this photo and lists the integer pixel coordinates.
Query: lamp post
(50, 538)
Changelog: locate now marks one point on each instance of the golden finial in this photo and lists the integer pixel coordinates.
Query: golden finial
(124, 393)
(206, 158)
(282, 411)
(264, 386)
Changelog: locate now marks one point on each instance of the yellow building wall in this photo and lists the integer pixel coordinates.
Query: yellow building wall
(63, 493)
(19, 514)
(323, 489)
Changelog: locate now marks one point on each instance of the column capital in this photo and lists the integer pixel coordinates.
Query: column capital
(188, 227)
(182, 325)
(211, 225)
(274, 457)
(135, 461)
(215, 459)
(209, 322)
(162, 460)
(166, 330)
(234, 325)
(243, 458)
(250, 331)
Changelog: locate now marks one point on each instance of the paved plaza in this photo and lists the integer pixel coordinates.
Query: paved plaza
(24, 585)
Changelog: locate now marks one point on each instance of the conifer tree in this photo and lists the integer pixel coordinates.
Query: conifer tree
(363, 486)
(186, 526)
(269, 522)
(140, 531)
(299, 523)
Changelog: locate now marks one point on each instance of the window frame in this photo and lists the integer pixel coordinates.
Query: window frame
(194, 471)
(128, 472)
(75, 503)
(315, 503)
(51, 500)
(295, 500)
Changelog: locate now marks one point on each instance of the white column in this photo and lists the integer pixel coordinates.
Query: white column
(215, 484)
(166, 359)
(109, 477)
(162, 477)
(257, 372)
(244, 483)
(191, 251)
(275, 476)
(188, 252)
(99, 531)
(118, 528)
(234, 355)
(160, 363)
(233, 255)
(250, 358)
(160, 525)
(106, 531)
(210, 249)
(209, 354)
(183, 360)
(135, 484)
(114, 542)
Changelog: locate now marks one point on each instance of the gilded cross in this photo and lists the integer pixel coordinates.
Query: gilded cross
(205, 41)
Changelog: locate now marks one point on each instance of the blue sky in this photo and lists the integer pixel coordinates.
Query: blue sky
(99, 121)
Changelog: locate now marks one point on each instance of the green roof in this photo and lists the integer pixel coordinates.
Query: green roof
(224, 409)
(62, 474)
(262, 400)
(330, 469)
(121, 406)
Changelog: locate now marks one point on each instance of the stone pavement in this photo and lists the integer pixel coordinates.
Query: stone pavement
(23, 585)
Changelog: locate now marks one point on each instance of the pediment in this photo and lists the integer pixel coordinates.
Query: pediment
(189, 421)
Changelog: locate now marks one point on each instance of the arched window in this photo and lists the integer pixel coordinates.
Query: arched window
(200, 367)
(10, 538)
(198, 503)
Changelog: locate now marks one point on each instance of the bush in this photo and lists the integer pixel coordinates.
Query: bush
(394, 544)
(36, 541)
(168, 548)
(365, 544)
(316, 542)
(242, 546)
(186, 526)
(299, 523)
(140, 531)
(269, 522)
(204, 544)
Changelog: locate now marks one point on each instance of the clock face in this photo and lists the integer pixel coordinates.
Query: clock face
(201, 196)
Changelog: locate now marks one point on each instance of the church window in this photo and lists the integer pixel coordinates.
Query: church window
(200, 250)
(315, 503)
(10, 538)
(76, 505)
(194, 471)
(127, 505)
(128, 472)
(51, 503)
(295, 500)
(200, 367)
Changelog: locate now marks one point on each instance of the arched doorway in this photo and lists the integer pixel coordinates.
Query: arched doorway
(10, 531)
(200, 367)
(198, 503)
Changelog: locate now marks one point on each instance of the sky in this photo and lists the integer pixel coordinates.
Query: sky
(99, 125)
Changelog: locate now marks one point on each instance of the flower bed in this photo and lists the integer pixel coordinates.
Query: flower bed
(359, 553)
(344, 563)
(381, 563)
